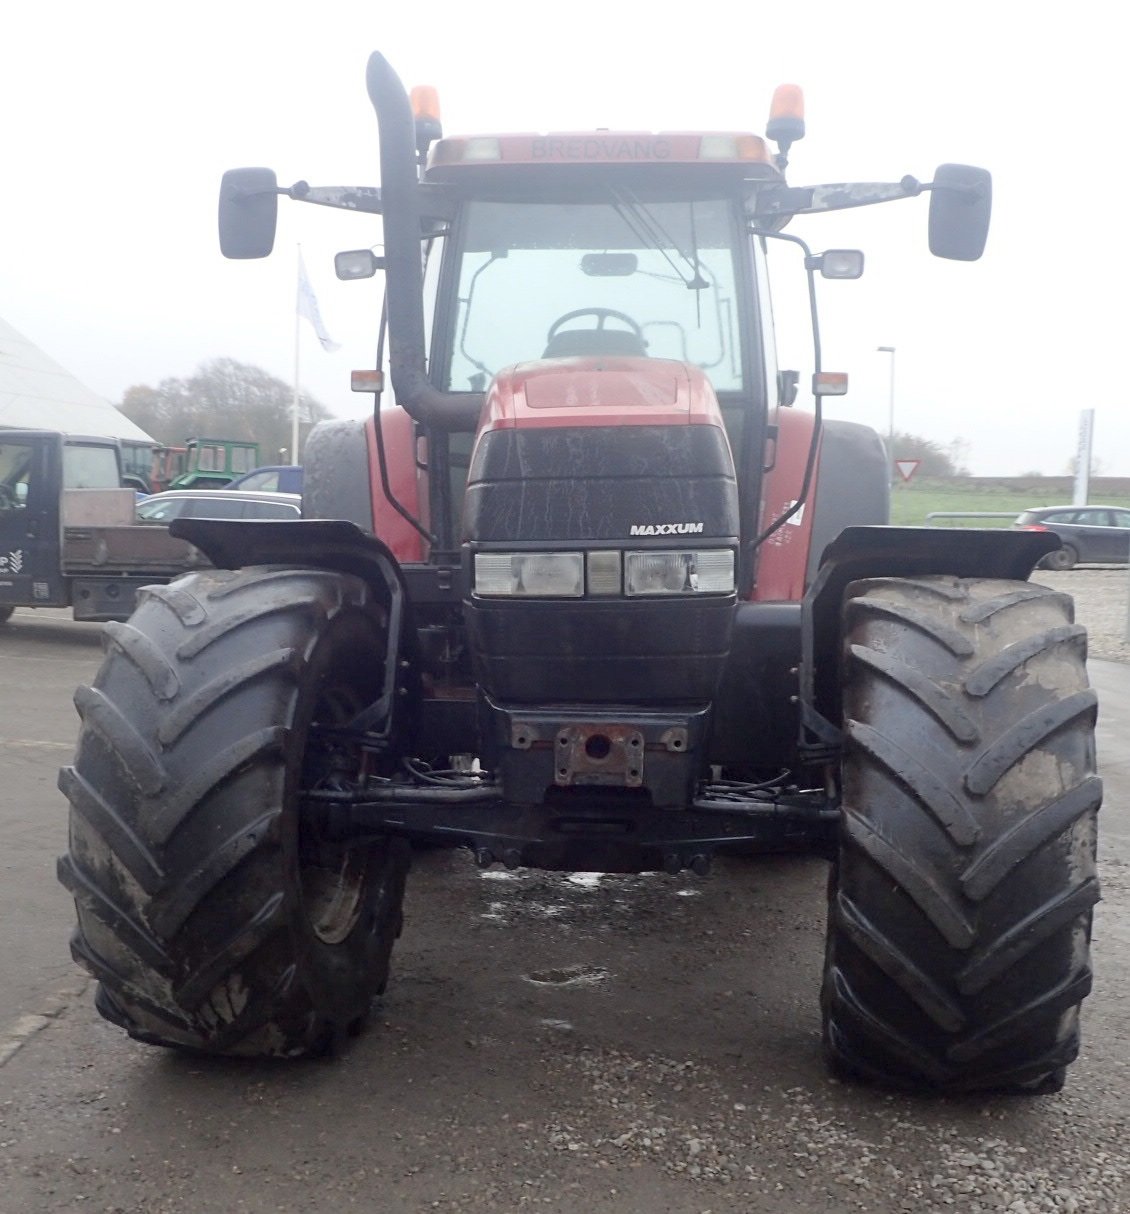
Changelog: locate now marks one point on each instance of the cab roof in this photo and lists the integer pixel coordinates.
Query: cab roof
(738, 152)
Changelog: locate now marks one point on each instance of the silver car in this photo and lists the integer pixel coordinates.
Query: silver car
(218, 503)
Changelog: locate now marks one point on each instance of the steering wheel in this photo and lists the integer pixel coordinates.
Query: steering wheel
(601, 314)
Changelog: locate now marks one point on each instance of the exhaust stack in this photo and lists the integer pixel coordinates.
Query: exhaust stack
(403, 270)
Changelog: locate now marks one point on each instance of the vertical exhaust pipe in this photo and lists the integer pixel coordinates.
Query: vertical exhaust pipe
(400, 205)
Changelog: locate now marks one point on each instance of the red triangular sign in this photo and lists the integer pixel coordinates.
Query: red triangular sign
(907, 467)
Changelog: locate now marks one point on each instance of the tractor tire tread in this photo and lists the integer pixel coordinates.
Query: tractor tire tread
(177, 863)
(960, 908)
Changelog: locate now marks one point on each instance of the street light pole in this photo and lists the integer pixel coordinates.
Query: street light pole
(890, 411)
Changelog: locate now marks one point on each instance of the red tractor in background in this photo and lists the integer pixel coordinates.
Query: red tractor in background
(591, 594)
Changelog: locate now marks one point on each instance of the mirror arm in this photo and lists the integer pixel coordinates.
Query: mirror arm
(345, 198)
(777, 201)
(434, 203)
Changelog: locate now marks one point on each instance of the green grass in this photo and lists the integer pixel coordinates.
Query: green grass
(911, 503)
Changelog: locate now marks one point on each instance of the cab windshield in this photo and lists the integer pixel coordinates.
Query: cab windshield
(619, 277)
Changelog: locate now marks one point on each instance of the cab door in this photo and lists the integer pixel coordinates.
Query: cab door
(30, 476)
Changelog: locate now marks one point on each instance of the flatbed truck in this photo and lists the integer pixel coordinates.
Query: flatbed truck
(68, 535)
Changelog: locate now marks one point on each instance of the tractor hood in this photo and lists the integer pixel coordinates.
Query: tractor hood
(578, 392)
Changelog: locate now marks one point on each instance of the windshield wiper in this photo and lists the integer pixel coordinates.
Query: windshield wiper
(646, 227)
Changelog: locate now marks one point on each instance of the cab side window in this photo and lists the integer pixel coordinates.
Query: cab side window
(15, 472)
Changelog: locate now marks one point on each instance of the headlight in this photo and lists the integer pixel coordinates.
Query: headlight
(530, 574)
(709, 572)
(562, 575)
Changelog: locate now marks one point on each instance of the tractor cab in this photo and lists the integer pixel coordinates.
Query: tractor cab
(629, 255)
(627, 245)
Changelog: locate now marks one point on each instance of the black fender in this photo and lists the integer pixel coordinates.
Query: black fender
(322, 544)
(318, 543)
(868, 552)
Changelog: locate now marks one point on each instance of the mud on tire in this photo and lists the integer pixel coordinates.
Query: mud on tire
(214, 915)
(960, 906)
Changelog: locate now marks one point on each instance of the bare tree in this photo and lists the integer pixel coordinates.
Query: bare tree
(223, 399)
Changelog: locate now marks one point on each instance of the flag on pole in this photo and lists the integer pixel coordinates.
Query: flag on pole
(308, 307)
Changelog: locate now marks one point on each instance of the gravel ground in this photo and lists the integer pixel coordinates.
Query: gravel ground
(584, 1044)
(1100, 605)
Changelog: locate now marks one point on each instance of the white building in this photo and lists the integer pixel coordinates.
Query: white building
(37, 394)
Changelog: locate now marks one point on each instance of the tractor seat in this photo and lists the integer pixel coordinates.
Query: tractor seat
(579, 343)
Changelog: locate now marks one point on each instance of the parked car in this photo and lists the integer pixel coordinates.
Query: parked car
(218, 503)
(1087, 534)
(272, 478)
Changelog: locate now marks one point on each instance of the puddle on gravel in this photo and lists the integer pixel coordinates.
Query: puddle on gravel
(568, 975)
(574, 901)
(585, 880)
(496, 912)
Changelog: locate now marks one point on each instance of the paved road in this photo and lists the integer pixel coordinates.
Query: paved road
(606, 1044)
(43, 656)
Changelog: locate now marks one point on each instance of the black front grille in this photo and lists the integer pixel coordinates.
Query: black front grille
(584, 488)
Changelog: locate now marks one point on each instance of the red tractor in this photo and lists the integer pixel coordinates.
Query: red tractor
(591, 595)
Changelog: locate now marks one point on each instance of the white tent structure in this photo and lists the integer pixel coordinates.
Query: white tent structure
(37, 394)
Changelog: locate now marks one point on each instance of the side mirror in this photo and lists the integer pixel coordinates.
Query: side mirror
(249, 209)
(357, 263)
(961, 201)
(836, 263)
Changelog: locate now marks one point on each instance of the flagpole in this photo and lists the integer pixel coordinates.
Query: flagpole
(305, 305)
(294, 404)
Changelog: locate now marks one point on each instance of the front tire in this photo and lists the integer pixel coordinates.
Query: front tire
(960, 904)
(6, 613)
(214, 913)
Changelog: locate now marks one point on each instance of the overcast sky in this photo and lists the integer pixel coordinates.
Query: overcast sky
(120, 117)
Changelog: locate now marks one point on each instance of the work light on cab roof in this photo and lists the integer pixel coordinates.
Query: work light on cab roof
(424, 100)
(786, 120)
